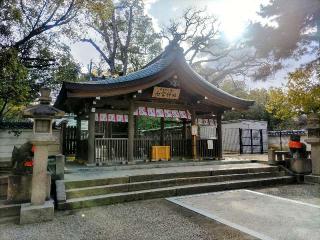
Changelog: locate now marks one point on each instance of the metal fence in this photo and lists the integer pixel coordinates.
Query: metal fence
(241, 140)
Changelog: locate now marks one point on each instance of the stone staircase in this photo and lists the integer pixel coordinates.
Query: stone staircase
(112, 190)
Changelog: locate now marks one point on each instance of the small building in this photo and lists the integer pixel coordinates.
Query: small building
(245, 136)
(167, 88)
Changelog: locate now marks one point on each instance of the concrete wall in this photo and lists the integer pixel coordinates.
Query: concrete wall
(8, 141)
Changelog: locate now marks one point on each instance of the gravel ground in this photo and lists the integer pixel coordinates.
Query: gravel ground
(307, 193)
(152, 219)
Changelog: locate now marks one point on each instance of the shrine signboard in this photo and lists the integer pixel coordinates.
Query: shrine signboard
(167, 93)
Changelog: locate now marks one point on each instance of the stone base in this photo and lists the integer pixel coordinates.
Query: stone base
(19, 188)
(91, 164)
(312, 179)
(300, 166)
(36, 213)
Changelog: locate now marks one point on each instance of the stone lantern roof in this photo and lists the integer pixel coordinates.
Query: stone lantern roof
(43, 109)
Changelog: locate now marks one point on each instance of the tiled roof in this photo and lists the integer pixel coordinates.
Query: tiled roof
(161, 63)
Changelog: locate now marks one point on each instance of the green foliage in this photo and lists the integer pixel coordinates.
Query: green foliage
(126, 40)
(258, 111)
(145, 123)
(14, 86)
(301, 96)
(31, 54)
(291, 29)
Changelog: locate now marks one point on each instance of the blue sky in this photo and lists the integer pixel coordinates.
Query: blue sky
(233, 16)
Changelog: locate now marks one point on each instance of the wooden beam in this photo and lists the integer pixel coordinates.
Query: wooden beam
(162, 131)
(130, 132)
(219, 133)
(91, 138)
(194, 137)
(78, 137)
(100, 110)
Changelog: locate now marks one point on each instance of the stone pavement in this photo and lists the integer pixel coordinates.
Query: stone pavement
(97, 172)
(265, 216)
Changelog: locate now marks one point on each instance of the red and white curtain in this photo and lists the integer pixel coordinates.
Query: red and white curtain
(151, 112)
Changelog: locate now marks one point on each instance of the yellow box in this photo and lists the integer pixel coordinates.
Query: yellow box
(160, 153)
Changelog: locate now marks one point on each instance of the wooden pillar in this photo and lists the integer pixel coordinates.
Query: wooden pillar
(131, 128)
(63, 138)
(194, 136)
(136, 125)
(184, 129)
(91, 138)
(78, 138)
(219, 133)
(162, 131)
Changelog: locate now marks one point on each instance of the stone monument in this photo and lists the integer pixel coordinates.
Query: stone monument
(39, 209)
(314, 141)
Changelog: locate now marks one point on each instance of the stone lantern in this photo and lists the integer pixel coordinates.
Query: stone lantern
(43, 114)
(314, 141)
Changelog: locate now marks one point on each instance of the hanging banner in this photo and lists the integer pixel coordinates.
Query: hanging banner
(103, 117)
(142, 111)
(175, 113)
(111, 117)
(119, 118)
(188, 114)
(151, 112)
(159, 112)
(183, 114)
(167, 113)
(167, 93)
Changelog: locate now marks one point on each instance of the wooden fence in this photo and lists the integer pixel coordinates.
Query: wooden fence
(69, 144)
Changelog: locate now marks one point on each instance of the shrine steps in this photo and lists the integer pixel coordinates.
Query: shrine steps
(96, 192)
(9, 210)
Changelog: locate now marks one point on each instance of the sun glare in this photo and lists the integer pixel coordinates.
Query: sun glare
(234, 15)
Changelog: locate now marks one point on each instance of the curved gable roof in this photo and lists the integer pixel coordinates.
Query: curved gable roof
(170, 62)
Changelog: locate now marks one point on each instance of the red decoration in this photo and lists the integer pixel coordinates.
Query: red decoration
(28, 163)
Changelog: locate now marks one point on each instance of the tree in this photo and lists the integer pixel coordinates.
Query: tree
(301, 96)
(291, 30)
(206, 49)
(30, 51)
(256, 112)
(125, 41)
(15, 89)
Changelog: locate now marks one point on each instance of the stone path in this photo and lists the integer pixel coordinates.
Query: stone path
(265, 216)
(102, 173)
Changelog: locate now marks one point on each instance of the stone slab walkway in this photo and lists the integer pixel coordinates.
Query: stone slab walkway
(265, 216)
(83, 174)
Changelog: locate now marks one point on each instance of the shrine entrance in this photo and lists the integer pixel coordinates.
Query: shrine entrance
(182, 109)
